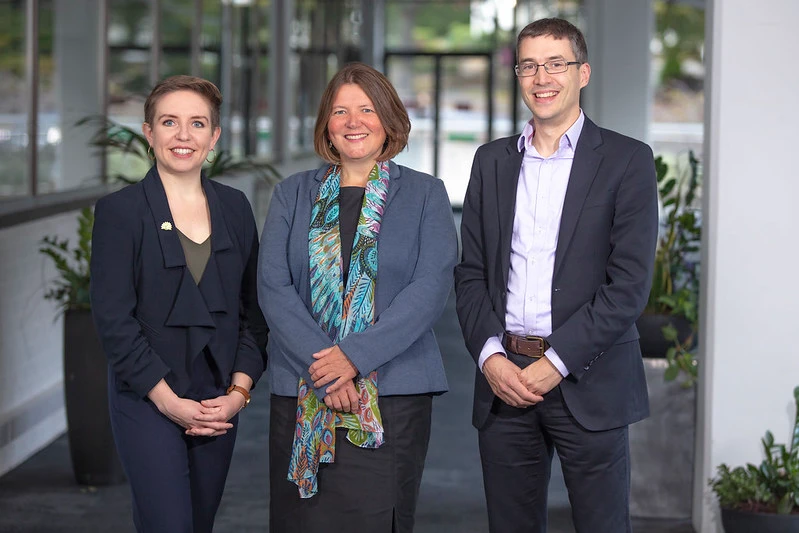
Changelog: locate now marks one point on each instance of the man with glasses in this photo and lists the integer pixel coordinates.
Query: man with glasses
(559, 229)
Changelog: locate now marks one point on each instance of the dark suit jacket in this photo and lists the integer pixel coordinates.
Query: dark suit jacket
(152, 318)
(602, 274)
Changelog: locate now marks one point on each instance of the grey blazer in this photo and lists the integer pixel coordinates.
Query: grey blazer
(417, 250)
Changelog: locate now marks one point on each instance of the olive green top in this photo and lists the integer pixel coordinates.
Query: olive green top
(197, 255)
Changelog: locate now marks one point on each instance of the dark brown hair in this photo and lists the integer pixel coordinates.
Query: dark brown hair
(559, 29)
(388, 106)
(204, 88)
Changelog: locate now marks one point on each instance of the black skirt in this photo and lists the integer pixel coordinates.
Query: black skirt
(372, 490)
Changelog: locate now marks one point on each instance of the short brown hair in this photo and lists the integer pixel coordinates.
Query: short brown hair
(203, 87)
(388, 106)
(559, 29)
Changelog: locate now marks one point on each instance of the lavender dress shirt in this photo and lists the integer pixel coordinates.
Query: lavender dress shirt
(536, 222)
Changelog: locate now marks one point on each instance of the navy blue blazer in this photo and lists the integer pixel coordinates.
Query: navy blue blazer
(417, 251)
(152, 318)
(602, 273)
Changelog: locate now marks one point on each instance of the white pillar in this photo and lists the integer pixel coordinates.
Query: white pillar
(619, 95)
(749, 359)
(79, 75)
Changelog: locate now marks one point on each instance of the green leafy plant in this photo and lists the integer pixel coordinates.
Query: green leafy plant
(120, 139)
(772, 487)
(70, 289)
(675, 280)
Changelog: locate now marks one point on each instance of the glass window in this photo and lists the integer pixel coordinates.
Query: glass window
(177, 19)
(13, 101)
(678, 74)
(263, 123)
(210, 40)
(130, 34)
(48, 142)
(323, 36)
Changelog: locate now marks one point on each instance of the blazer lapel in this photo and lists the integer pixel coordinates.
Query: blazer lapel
(584, 169)
(162, 218)
(211, 285)
(508, 169)
(393, 182)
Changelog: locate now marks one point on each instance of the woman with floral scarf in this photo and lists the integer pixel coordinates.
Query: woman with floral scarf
(355, 267)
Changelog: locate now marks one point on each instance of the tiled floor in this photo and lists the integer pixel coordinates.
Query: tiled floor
(40, 496)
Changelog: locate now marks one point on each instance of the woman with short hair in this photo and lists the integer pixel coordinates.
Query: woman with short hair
(355, 267)
(173, 296)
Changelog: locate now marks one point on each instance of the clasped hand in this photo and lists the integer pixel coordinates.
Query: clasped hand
(331, 365)
(519, 387)
(208, 418)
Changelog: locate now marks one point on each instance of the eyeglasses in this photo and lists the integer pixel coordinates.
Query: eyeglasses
(556, 66)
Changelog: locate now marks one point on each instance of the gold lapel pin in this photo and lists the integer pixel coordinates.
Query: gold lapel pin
(166, 226)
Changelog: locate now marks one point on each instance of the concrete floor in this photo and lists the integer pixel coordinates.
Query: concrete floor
(40, 496)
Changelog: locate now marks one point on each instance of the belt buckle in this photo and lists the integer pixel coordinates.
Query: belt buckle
(540, 344)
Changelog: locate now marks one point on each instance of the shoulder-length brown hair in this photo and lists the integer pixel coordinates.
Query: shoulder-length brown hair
(388, 106)
(201, 86)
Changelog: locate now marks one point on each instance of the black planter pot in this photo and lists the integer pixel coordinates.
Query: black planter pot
(91, 444)
(650, 328)
(735, 521)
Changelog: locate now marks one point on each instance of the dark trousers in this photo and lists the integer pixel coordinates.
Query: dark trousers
(516, 447)
(176, 481)
(365, 490)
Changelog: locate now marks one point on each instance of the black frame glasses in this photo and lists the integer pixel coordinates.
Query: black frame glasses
(553, 66)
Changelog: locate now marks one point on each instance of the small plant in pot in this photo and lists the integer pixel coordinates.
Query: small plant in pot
(668, 326)
(756, 499)
(91, 444)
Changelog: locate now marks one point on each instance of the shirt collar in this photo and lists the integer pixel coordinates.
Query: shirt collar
(571, 136)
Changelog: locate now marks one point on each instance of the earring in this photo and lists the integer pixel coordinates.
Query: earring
(150, 153)
(214, 158)
(332, 148)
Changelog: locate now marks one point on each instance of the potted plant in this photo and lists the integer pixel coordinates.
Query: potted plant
(667, 331)
(91, 443)
(755, 499)
(674, 295)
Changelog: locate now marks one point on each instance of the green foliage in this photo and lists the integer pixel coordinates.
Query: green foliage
(771, 487)
(680, 357)
(117, 138)
(70, 289)
(680, 28)
(675, 280)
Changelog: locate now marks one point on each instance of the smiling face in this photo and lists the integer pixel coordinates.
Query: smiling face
(181, 133)
(354, 127)
(554, 99)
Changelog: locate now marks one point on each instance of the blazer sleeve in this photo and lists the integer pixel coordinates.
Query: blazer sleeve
(113, 298)
(476, 313)
(599, 323)
(417, 307)
(290, 322)
(253, 330)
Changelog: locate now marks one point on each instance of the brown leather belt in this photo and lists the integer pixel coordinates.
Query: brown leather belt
(528, 345)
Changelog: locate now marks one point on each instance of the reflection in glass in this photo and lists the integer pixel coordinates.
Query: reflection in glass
(48, 141)
(262, 122)
(13, 101)
(130, 34)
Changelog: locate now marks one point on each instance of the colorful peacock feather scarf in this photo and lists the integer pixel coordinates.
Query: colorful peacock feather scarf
(339, 311)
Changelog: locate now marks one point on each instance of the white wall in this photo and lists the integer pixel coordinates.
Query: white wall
(31, 342)
(750, 356)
